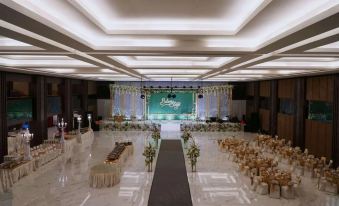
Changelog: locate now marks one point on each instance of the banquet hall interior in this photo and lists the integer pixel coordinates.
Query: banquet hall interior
(169, 102)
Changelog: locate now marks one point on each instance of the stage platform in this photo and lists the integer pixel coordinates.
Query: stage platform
(170, 129)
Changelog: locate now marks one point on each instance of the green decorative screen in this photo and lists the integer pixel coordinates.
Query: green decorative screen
(162, 107)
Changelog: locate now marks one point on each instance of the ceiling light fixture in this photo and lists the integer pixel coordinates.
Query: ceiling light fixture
(171, 95)
(142, 96)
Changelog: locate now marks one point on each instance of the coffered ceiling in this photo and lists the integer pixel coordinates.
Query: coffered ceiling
(214, 40)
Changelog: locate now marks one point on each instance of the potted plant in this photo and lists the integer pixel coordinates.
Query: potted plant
(193, 153)
(149, 153)
(156, 136)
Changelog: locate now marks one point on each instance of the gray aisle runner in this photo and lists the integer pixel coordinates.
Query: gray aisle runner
(170, 184)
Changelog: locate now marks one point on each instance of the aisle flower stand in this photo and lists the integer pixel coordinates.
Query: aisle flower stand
(149, 153)
(156, 137)
(193, 153)
(185, 137)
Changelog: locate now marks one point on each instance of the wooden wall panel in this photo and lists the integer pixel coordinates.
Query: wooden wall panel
(320, 88)
(285, 127)
(249, 108)
(318, 138)
(309, 89)
(264, 90)
(250, 89)
(92, 88)
(264, 116)
(286, 88)
(323, 94)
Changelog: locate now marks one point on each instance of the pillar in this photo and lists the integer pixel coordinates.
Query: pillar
(3, 116)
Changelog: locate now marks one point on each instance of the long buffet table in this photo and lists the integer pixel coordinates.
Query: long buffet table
(108, 174)
(15, 168)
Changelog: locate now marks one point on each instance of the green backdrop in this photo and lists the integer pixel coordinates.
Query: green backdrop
(162, 107)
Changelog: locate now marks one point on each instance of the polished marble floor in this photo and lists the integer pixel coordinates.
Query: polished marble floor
(217, 182)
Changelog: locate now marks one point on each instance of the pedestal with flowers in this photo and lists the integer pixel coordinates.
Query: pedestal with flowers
(193, 153)
(149, 153)
(156, 137)
(185, 137)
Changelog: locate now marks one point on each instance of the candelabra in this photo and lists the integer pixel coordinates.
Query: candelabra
(62, 125)
(27, 137)
(79, 127)
(79, 124)
(89, 117)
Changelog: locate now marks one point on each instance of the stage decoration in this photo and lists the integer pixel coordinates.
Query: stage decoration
(171, 97)
(149, 153)
(160, 107)
(156, 137)
(193, 153)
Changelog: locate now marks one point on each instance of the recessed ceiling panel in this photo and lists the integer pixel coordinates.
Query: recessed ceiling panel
(170, 17)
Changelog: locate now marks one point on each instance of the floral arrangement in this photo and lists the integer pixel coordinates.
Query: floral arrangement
(131, 126)
(212, 127)
(186, 136)
(149, 153)
(156, 136)
(193, 153)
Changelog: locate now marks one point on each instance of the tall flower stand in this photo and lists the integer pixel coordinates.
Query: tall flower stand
(149, 153)
(193, 153)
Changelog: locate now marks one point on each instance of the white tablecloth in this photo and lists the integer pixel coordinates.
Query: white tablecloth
(10, 176)
(108, 175)
(105, 175)
(12, 141)
(46, 158)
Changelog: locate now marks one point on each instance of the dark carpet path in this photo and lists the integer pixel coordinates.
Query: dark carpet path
(170, 184)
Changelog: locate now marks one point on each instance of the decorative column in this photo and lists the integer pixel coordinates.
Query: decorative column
(335, 140)
(274, 107)
(300, 113)
(3, 116)
(67, 100)
(39, 124)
